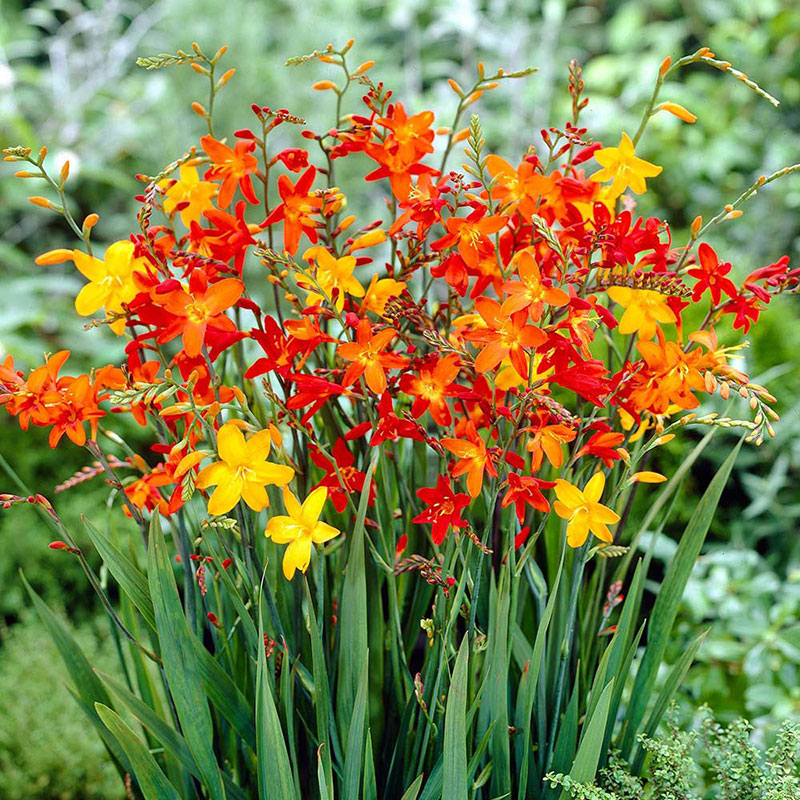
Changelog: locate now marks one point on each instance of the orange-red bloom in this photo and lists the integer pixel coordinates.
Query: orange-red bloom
(234, 167)
(431, 387)
(296, 209)
(199, 308)
(503, 336)
(368, 357)
(474, 459)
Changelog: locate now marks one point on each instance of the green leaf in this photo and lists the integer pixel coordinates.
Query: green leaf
(354, 751)
(455, 730)
(674, 680)
(669, 597)
(413, 791)
(589, 750)
(322, 696)
(494, 705)
(274, 770)
(174, 744)
(131, 579)
(353, 642)
(152, 781)
(567, 739)
(179, 650)
(324, 793)
(224, 694)
(370, 782)
(531, 681)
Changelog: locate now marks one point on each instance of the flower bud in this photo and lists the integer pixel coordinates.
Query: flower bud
(58, 256)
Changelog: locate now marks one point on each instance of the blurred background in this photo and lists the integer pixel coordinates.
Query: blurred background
(68, 80)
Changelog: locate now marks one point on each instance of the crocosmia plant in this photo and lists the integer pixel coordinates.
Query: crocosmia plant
(375, 486)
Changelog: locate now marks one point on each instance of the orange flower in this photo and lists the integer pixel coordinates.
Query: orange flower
(503, 336)
(668, 376)
(198, 309)
(61, 403)
(474, 459)
(431, 387)
(470, 234)
(368, 357)
(548, 440)
(530, 291)
(296, 210)
(517, 189)
(398, 154)
(233, 166)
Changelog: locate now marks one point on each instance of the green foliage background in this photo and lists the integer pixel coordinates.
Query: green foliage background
(68, 80)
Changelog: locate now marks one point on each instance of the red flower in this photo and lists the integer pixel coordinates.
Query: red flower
(470, 234)
(293, 158)
(392, 427)
(346, 480)
(711, 275)
(280, 351)
(526, 491)
(602, 445)
(444, 508)
(368, 357)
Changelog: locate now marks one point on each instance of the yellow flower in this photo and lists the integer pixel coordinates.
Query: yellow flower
(583, 510)
(644, 309)
(380, 292)
(331, 273)
(300, 529)
(624, 168)
(242, 472)
(110, 281)
(188, 189)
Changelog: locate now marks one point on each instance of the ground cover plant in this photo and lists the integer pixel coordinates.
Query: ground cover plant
(381, 543)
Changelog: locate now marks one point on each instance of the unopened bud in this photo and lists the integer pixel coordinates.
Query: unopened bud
(225, 78)
(58, 256)
(678, 111)
(455, 87)
(362, 68)
(42, 202)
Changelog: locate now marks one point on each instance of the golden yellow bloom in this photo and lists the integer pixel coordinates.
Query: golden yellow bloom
(644, 309)
(189, 189)
(380, 292)
(300, 529)
(242, 471)
(584, 511)
(110, 281)
(622, 166)
(331, 273)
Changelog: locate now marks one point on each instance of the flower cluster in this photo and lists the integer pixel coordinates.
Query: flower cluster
(521, 326)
